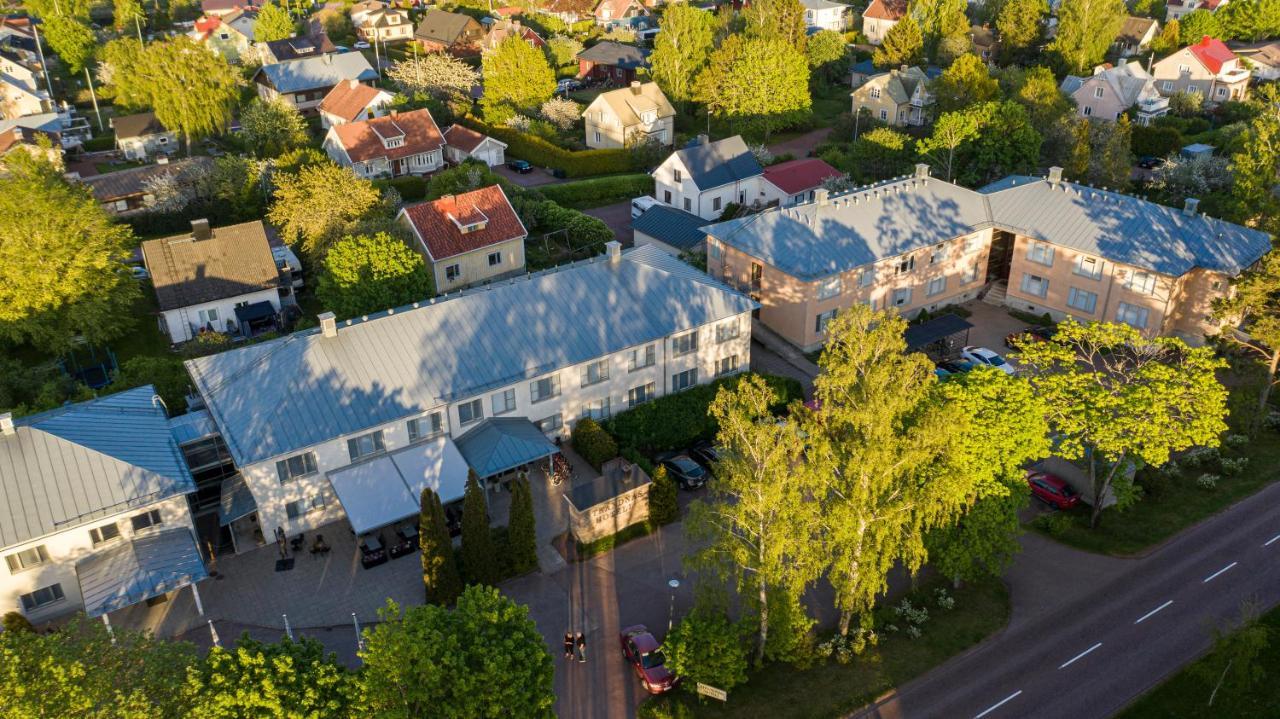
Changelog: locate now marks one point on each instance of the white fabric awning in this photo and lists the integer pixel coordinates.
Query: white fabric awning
(386, 489)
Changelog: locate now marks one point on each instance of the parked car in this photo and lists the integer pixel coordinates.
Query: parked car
(520, 166)
(706, 454)
(1038, 333)
(946, 368)
(641, 204)
(645, 656)
(1150, 163)
(139, 272)
(1052, 490)
(984, 356)
(568, 85)
(361, 45)
(686, 472)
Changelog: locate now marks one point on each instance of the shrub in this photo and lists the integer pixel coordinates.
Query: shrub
(522, 538)
(1236, 441)
(1055, 524)
(1155, 141)
(664, 504)
(705, 647)
(410, 187)
(598, 191)
(1207, 481)
(944, 599)
(540, 152)
(593, 443)
(1200, 456)
(1231, 466)
(16, 622)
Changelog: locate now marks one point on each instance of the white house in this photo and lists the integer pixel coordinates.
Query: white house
(705, 177)
(20, 91)
(323, 422)
(93, 509)
(404, 143)
(141, 136)
(1263, 57)
(463, 143)
(215, 280)
(352, 100)
(826, 15)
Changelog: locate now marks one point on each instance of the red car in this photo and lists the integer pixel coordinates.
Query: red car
(644, 655)
(1052, 490)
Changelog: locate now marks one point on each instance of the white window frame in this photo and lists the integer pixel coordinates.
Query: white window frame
(641, 393)
(453, 272)
(822, 320)
(312, 503)
(26, 559)
(597, 410)
(726, 365)
(1040, 253)
(149, 519)
(1034, 285)
(546, 425)
(537, 394)
(31, 601)
(1140, 282)
(1084, 262)
(495, 259)
(285, 468)
(475, 408)
(595, 372)
(830, 287)
(684, 344)
(435, 426)
(727, 331)
(503, 402)
(684, 380)
(356, 446)
(97, 538)
(937, 286)
(901, 296)
(1082, 300)
(642, 357)
(1126, 311)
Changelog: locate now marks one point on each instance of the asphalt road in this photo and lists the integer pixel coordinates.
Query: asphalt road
(1093, 655)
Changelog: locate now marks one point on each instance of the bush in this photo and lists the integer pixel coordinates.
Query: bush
(1055, 523)
(522, 538)
(1233, 466)
(664, 505)
(1155, 141)
(593, 443)
(598, 191)
(411, 187)
(16, 622)
(540, 152)
(705, 647)
(1208, 481)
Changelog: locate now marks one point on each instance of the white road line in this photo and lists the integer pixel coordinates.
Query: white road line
(1147, 616)
(1272, 541)
(1072, 660)
(1210, 578)
(998, 704)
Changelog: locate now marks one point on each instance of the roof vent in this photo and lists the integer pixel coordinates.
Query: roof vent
(1055, 175)
(820, 195)
(1190, 207)
(6, 424)
(613, 250)
(635, 87)
(922, 170)
(200, 230)
(328, 324)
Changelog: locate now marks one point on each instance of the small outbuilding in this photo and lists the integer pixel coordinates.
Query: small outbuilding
(610, 503)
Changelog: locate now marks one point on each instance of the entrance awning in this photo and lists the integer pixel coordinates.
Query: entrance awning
(255, 312)
(136, 571)
(389, 488)
(501, 444)
(237, 501)
(938, 328)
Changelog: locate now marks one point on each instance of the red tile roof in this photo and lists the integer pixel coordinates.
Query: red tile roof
(25, 136)
(348, 99)
(886, 9)
(363, 140)
(463, 138)
(796, 176)
(440, 222)
(1212, 53)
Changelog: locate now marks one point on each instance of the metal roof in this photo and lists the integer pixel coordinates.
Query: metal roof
(236, 500)
(85, 461)
(674, 227)
(713, 164)
(499, 444)
(192, 426)
(938, 328)
(388, 488)
(136, 571)
(311, 73)
(608, 52)
(287, 394)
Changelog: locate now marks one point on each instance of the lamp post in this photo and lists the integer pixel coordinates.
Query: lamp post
(671, 613)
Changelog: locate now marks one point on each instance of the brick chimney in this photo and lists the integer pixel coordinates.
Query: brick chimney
(635, 87)
(200, 230)
(328, 324)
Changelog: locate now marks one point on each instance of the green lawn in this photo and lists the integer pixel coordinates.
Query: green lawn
(833, 689)
(1174, 504)
(146, 338)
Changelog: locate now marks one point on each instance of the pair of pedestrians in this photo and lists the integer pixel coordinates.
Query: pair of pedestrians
(572, 643)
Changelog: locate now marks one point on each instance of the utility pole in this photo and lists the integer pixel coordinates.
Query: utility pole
(44, 67)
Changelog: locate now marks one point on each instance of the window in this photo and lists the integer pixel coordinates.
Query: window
(209, 316)
(1191, 89)
(424, 427)
(1222, 92)
(1089, 267)
(902, 296)
(938, 255)
(146, 520)
(452, 273)
(884, 115)
(684, 344)
(688, 206)
(1088, 111)
(642, 357)
(595, 373)
(470, 412)
(544, 388)
(640, 395)
(104, 534)
(970, 275)
(684, 380)
(42, 597)
(1097, 92)
(365, 445)
(1040, 253)
(648, 117)
(677, 175)
(597, 136)
(726, 331)
(1034, 285)
(1132, 315)
(937, 286)
(866, 277)
(905, 266)
(1082, 300)
(596, 409)
(550, 424)
(715, 204)
(1184, 69)
(299, 465)
(829, 288)
(302, 507)
(666, 196)
(503, 402)
(757, 275)
(495, 259)
(727, 365)
(1168, 86)
(1144, 283)
(875, 93)
(714, 250)
(820, 324)
(26, 559)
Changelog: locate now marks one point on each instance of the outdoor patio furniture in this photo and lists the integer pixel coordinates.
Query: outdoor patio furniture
(372, 552)
(296, 543)
(319, 546)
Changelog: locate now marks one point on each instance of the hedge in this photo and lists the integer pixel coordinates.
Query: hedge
(411, 187)
(540, 152)
(598, 191)
(675, 421)
(593, 443)
(1155, 141)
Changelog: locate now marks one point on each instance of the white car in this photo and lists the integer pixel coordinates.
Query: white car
(984, 356)
(361, 45)
(641, 204)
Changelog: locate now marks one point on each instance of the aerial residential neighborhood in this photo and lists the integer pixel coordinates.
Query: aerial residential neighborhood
(617, 358)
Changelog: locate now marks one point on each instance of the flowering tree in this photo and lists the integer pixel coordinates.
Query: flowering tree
(561, 112)
(436, 73)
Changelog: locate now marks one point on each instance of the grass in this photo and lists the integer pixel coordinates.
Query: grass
(617, 539)
(146, 339)
(1185, 695)
(832, 689)
(598, 191)
(1171, 505)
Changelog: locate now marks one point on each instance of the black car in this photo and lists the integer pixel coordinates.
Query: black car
(520, 166)
(1150, 163)
(687, 473)
(705, 454)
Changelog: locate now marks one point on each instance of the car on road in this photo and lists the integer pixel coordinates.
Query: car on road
(361, 45)
(568, 85)
(641, 204)
(644, 654)
(519, 166)
(1038, 333)
(1052, 490)
(687, 473)
(1150, 163)
(984, 356)
(946, 368)
(706, 454)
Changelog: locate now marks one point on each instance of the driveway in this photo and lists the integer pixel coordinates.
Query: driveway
(539, 176)
(801, 146)
(618, 218)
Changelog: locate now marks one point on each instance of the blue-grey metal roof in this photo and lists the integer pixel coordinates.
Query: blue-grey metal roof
(313, 73)
(77, 463)
(718, 163)
(499, 444)
(192, 426)
(138, 570)
(616, 54)
(930, 331)
(864, 67)
(275, 397)
(677, 228)
(236, 501)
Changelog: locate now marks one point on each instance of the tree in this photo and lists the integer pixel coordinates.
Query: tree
(274, 23)
(1006, 144)
(902, 45)
(1037, 90)
(593, 443)
(826, 50)
(1196, 24)
(758, 521)
(469, 175)
(561, 112)
(706, 648)
(1169, 39)
(484, 660)
(166, 372)
(1254, 167)
(127, 15)
(1148, 8)
(759, 84)
(877, 155)
(439, 568)
(191, 89)
(1234, 663)
(318, 203)
(1254, 302)
(967, 82)
(1117, 398)
(479, 560)
(1021, 25)
(1250, 20)
(664, 502)
(60, 271)
(681, 49)
(1086, 28)
(950, 132)
(940, 20)
(522, 535)
(1101, 155)
(74, 42)
(436, 73)
(563, 50)
(368, 273)
(271, 128)
(517, 79)
(776, 20)
(281, 681)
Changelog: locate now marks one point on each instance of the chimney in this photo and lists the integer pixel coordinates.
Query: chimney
(328, 324)
(613, 250)
(903, 69)
(200, 230)
(353, 84)
(1190, 207)
(1055, 175)
(393, 112)
(635, 87)
(6, 424)
(820, 196)
(922, 171)
(703, 140)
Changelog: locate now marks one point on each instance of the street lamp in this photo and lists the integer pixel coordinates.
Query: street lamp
(671, 613)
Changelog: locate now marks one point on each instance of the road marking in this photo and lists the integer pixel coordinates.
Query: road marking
(998, 704)
(1220, 571)
(1272, 541)
(1147, 616)
(1072, 660)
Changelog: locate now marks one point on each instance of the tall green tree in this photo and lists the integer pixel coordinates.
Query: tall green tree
(1006, 144)
(776, 20)
(1100, 153)
(1196, 24)
(284, 680)
(759, 520)
(826, 52)
(274, 23)
(1117, 398)
(902, 45)
(439, 568)
(479, 560)
(60, 261)
(681, 50)
(757, 84)
(517, 79)
(192, 90)
(1086, 28)
(1169, 38)
(951, 132)
(966, 83)
(563, 49)
(938, 20)
(707, 648)
(271, 128)
(1021, 27)
(369, 273)
(876, 155)
(1255, 166)
(1254, 302)
(127, 15)
(1036, 89)
(76, 44)
(522, 533)
(319, 203)
(664, 501)
(483, 660)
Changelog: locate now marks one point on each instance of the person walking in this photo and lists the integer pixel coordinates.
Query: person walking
(568, 646)
(582, 648)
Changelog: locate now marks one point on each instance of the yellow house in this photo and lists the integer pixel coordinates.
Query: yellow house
(618, 118)
(467, 239)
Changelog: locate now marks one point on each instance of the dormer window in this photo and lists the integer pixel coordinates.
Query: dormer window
(392, 135)
(390, 142)
(472, 221)
(649, 116)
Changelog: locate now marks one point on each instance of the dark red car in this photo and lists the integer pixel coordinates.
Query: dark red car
(645, 656)
(1052, 490)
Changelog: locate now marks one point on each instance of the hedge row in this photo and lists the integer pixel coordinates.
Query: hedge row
(539, 152)
(598, 191)
(677, 420)
(411, 187)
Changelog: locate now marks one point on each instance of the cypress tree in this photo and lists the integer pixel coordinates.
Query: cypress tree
(522, 538)
(664, 507)
(439, 569)
(479, 564)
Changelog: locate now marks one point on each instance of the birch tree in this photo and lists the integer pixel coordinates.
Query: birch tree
(681, 49)
(1254, 303)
